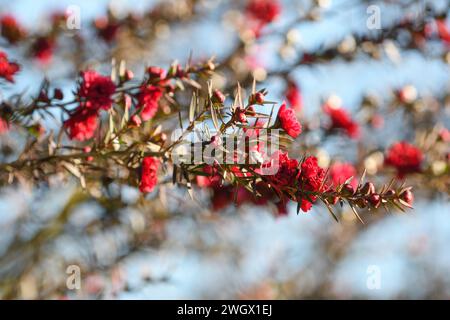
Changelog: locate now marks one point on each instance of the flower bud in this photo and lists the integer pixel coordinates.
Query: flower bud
(368, 189)
(58, 94)
(88, 149)
(135, 121)
(218, 97)
(257, 98)
(128, 75)
(407, 196)
(156, 72)
(239, 115)
(348, 190)
(390, 193)
(375, 200)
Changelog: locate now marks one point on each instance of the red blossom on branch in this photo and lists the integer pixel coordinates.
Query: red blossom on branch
(288, 121)
(148, 100)
(82, 124)
(96, 90)
(311, 178)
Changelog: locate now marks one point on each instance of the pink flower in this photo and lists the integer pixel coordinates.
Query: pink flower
(149, 175)
(288, 121)
(96, 90)
(148, 99)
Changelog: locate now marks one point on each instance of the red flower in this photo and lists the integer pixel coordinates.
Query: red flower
(340, 119)
(82, 124)
(7, 69)
(294, 96)
(11, 30)
(286, 172)
(310, 179)
(148, 100)
(340, 172)
(405, 157)
(42, 49)
(288, 121)
(96, 90)
(265, 11)
(149, 175)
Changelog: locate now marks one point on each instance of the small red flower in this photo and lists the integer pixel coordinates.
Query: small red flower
(340, 172)
(7, 69)
(340, 119)
(294, 96)
(148, 99)
(310, 179)
(264, 11)
(149, 175)
(82, 124)
(288, 121)
(405, 157)
(286, 170)
(96, 90)
(11, 30)
(42, 49)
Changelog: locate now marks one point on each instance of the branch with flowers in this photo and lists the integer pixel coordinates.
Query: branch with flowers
(122, 124)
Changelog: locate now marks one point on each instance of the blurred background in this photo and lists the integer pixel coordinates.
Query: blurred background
(175, 248)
